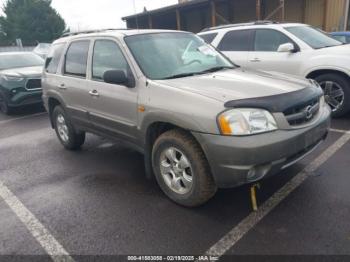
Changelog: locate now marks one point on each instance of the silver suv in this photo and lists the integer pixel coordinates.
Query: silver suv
(201, 122)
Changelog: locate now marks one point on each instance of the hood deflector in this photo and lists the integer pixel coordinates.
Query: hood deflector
(279, 103)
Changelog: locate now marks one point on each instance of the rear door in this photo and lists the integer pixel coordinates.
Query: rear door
(236, 45)
(113, 107)
(72, 84)
(266, 57)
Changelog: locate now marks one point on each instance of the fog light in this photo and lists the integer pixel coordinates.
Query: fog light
(258, 172)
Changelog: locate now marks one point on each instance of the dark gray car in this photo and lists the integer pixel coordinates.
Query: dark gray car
(202, 122)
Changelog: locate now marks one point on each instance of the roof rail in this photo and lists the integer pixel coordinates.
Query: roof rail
(92, 31)
(258, 22)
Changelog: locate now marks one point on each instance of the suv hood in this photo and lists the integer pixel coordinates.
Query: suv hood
(238, 84)
(335, 50)
(34, 71)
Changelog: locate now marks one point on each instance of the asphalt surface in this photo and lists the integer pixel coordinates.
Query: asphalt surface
(97, 201)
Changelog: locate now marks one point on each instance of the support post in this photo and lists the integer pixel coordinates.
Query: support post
(213, 13)
(303, 18)
(346, 15)
(283, 14)
(258, 9)
(325, 15)
(178, 19)
(150, 22)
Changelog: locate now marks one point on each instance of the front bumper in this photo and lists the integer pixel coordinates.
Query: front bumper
(240, 160)
(22, 97)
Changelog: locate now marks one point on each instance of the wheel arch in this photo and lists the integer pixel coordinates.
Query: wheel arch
(152, 132)
(318, 72)
(52, 102)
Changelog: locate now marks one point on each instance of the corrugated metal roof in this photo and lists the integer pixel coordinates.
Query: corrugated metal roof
(167, 8)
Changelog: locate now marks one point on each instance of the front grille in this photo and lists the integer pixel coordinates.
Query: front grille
(303, 113)
(33, 84)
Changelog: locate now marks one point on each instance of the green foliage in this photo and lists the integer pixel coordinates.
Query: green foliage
(31, 20)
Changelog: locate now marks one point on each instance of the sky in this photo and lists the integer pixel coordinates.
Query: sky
(93, 14)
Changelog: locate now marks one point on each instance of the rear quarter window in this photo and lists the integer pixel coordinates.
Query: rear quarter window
(53, 58)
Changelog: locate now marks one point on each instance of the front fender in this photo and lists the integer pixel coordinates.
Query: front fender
(334, 63)
(183, 121)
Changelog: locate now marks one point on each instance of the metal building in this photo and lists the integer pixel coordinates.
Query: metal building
(194, 15)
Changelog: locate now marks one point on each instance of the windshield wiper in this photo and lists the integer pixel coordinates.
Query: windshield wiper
(180, 75)
(215, 69)
(210, 70)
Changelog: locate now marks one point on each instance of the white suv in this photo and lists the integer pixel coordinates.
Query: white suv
(290, 48)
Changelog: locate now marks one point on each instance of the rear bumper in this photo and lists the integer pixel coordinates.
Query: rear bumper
(239, 160)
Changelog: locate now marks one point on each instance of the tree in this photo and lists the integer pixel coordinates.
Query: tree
(31, 20)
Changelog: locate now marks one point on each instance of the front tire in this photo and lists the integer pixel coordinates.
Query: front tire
(181, 169)
(68, 136)
(4, 107)
(337, 93)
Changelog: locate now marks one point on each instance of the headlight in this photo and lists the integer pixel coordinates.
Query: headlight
(10, 78)
(246, 121)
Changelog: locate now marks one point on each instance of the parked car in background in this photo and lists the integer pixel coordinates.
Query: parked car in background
(296, 49)
(201, 122)
(341, 36)
(42, 49)
(20, 80)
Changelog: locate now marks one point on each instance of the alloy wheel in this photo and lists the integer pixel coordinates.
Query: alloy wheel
(334, 94)
(176, 170)
(62, 128)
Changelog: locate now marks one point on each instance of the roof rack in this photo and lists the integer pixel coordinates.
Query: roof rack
(92, 31)
(259, 22)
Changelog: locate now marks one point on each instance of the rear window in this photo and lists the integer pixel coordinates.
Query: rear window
(208, 37)
(53, 58)
(238, 40)
(76, 58)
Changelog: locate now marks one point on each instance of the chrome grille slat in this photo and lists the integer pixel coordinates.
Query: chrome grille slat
(303, 114)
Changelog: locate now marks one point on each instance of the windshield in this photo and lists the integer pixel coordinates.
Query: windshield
(8, 61)
(171, 55)
(313, 37)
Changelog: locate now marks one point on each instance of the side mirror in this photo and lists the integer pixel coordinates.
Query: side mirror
(117, 77)
(286, 48)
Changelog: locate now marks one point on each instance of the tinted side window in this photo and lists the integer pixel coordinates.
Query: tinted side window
(107, 56)
(76, 58)
(238, 40)
(267, 40)
(208, 37)
(53, 58)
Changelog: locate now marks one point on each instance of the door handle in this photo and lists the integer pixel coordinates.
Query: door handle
(62, 86)
(255, 60)
(94, 93)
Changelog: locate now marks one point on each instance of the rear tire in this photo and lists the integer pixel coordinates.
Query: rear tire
(181, 169)
(68, 136)
(335, 87)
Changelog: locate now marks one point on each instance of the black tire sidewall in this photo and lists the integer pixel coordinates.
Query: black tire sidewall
(3, 105)
(190, 199)
(345, 85)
